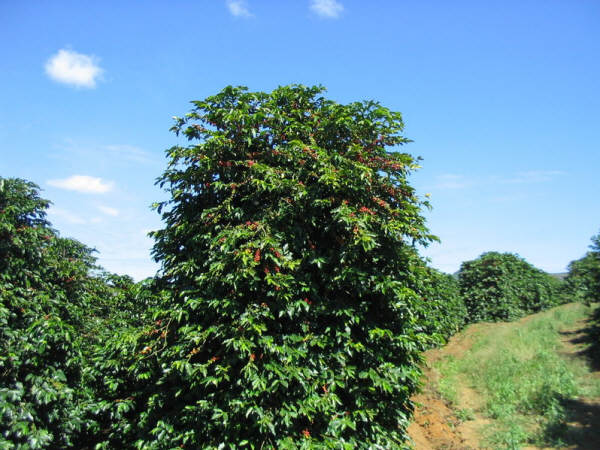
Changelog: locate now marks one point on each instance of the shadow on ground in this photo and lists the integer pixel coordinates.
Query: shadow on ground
(579, 428)
(588, 338)
(580, 424)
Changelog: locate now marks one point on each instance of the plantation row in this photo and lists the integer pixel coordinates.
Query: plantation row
(291, 308)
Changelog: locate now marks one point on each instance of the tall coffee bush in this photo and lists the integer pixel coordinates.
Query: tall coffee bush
(503, 286)
(289, 250)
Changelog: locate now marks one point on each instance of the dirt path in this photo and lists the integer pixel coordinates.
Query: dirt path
(436, 425)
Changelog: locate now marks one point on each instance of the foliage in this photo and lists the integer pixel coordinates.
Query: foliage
(583, 278)
(55, 305)
(442, 309)
(289, 253)
(503, 286)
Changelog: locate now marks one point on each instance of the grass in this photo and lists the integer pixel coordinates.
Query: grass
(520, 378)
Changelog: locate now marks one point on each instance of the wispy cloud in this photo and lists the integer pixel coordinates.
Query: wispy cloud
(328, 9)
(66, 215)
(83, 183)
(108, 210)
(534, 176)
(131, 153)
(455, 181)
(238, 8)
(102, 155)
(452, 181)
(75, 69)
(124, 250)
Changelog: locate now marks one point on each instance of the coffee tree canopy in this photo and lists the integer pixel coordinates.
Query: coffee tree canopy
(289, 249)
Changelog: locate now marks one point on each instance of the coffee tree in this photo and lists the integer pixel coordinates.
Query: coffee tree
(289, 249)
(503, 286)
(56, 306)
(583, 279)
(42, 304)
(442, 310)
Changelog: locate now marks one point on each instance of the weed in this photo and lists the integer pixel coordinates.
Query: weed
(465, 414)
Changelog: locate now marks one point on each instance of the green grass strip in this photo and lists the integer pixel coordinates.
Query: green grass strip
(521, 377)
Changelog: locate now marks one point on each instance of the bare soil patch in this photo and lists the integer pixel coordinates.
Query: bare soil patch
(436, 425)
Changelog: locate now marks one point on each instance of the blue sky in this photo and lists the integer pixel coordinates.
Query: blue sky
(502, 100)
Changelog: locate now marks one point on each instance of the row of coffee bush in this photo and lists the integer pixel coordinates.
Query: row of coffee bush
(503, 287)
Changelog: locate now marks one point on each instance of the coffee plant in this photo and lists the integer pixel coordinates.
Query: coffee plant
(503, 286)
(442, 310)
(55, 307)
(289, 251)
(583, 279)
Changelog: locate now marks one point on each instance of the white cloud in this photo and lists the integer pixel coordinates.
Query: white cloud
(238, 8)
(83, 183)
(75, 69)
(109, 211)
(330, 9)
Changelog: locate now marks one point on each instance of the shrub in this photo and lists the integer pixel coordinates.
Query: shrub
(443, 311)
(55, 306)
(503, 286)
(40, 275)
(289, 252)
(583, 279)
